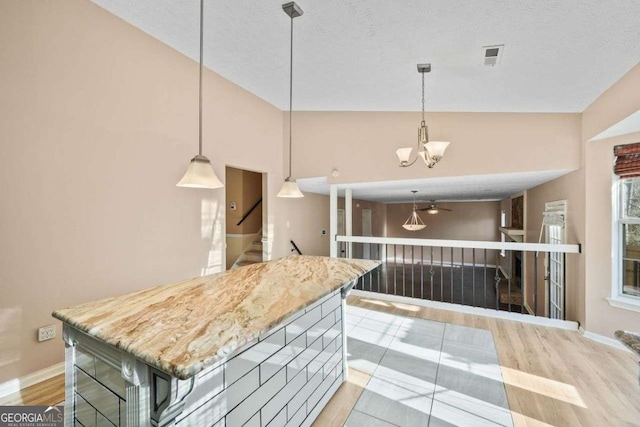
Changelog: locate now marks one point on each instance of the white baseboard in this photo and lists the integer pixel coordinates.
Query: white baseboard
(612, 342)
(487, 312)
(15, 385)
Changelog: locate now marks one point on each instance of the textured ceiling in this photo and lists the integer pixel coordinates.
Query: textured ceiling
(361, 55)
(459, 188)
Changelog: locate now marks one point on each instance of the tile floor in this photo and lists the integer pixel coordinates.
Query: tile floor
(424, 373)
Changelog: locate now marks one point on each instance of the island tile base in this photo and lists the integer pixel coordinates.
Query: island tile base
(284, 378)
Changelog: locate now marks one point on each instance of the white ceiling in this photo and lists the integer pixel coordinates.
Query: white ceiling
(459, 188)
(362, 55)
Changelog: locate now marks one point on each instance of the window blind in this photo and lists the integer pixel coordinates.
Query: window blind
(627, 160)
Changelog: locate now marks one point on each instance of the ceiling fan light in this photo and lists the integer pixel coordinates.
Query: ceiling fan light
(432, 211)
(200, 174)
(414, 227)
(290, 190)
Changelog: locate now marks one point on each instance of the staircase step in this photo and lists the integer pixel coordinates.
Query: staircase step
(244, 263)
(516, 294)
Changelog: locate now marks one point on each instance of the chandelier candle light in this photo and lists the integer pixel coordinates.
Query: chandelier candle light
(414, 223)
(429, 151)
(290, 187)
(200, 173)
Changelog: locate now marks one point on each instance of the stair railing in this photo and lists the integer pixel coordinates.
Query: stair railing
(295, 247)
(246, 215)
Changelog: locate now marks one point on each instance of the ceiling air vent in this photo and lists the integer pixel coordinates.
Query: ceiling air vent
(492, 54)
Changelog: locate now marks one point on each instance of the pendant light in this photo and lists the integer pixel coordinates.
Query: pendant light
(414, 223)
(290, 187)
(200, 173)
(432, 151)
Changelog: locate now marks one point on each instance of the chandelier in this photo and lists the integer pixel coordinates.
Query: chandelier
(414, 223)
(431, 152)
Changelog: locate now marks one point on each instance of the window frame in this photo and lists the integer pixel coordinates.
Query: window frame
(618, 298)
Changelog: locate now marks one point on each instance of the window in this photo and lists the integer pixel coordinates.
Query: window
(629, 236)
(626, 228)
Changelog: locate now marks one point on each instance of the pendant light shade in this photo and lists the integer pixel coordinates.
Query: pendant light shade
(200, 173)
(290, 188)
(404, 154)
(414, 223)
(434, 151)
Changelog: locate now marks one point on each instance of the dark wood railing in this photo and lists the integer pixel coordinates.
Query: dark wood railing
(245, 216)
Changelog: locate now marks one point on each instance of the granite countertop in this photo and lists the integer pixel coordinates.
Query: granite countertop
(630, 339)
(184, 327)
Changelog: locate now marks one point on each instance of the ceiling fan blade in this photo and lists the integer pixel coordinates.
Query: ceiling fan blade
(445, 209)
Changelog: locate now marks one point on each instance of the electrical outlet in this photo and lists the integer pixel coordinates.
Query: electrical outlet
(323, 232)
(46, 333)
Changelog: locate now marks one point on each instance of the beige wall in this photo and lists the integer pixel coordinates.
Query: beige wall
(467, 221)
(98, 122)
(378, 224)
(362, 145)
(305, 219)
(378, 216)
(622, 99)
(571, 189)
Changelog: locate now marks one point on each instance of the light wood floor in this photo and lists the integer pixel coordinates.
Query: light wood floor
(553, 377)
(49, 392)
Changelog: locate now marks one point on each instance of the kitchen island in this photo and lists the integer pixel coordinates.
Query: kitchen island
(260, 345)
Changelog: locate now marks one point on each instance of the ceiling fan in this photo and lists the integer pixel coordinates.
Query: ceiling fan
(433, 209)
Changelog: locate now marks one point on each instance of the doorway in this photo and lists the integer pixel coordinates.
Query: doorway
(245, 206)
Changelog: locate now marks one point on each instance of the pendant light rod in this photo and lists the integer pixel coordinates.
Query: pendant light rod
(422, 96)
(200, 173)
(293, 10)
(290, 187)
(200, 79)
(290, 96)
